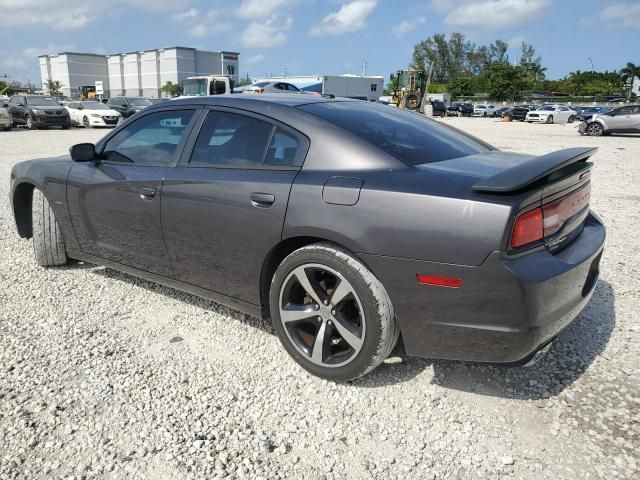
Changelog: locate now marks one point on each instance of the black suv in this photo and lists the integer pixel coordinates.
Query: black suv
(127, 106)
(519, 112)
(36, 111)
(460, 110)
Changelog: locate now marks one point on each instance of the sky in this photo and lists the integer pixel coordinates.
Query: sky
(312, 37)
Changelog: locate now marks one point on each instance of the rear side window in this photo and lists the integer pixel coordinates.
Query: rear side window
(239, 141)
(151, 140)
(411, 138)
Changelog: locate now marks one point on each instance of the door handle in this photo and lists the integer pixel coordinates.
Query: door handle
(147, 193)
(262, 200)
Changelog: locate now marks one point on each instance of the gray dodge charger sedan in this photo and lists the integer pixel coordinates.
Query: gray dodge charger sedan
(348, 224)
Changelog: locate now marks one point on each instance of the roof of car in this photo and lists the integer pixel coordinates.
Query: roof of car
(285, 99)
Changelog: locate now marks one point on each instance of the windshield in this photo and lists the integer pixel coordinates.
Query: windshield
(95, 106)
(547, 108)
(260, 84)
(194, 87)
(139, 101)
(413, 139)
(42, 102)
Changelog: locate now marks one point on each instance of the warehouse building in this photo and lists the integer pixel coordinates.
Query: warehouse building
(134, 73)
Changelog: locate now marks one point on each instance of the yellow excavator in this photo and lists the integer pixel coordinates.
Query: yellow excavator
(410, 89)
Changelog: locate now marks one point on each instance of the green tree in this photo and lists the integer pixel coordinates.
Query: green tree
(6, 88)
(505, 81)
(54, 87)
(628, 73)
(171, 89)
(243, 82)
(462, 86)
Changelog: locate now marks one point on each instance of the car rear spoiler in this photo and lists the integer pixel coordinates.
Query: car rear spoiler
(523, 175)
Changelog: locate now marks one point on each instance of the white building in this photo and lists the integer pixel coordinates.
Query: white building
(134, 73)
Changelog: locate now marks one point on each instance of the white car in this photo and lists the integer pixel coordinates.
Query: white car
(483, 110)
(92, 114)
(552, 114)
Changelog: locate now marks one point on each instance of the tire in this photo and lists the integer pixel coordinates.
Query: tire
(368, 330)
(8, 128)
(66, 127)
(29, 123)
(85, 122)
(594, 129)
(412, 102)
(549, 119)
(571, 119)
(48, 244)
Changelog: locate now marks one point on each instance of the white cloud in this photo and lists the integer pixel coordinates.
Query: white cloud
(406, 26)
(626, 14)
(263, 8)
(259, 58)
(267, 34)
(489, 14)
(350, 18)
(189, 14)
(200, 24)
(24, 64)
(72, 14)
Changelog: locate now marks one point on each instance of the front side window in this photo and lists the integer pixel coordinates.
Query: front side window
(151, 140)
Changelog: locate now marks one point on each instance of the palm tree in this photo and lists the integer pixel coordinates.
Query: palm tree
(54, 87)
(537, 71)
(628, 73)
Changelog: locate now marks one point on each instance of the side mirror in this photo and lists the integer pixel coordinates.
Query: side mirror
(21, 104)
(83, 152)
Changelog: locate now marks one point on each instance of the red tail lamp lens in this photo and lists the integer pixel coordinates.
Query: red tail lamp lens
(528, 228)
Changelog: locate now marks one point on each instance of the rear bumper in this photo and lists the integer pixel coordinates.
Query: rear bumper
(507, 308)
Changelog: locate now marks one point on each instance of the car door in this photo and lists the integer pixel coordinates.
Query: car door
(618, 120)
(634, 124)
(17, 108)
(223, 206)
(74, 112)
(114, 202)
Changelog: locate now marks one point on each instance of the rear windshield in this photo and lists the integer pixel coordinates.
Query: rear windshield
(260, 84)
(411, 138)
(139, 101)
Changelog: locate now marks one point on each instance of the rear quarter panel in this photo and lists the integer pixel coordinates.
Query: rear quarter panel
(404, 213)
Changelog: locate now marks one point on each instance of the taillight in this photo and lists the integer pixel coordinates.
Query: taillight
(547, 220)
(527, 229)
(559, 211)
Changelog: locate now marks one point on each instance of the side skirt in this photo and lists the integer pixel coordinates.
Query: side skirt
(240, 305)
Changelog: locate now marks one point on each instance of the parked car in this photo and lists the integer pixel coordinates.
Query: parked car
(37, 111)
(6, 120)
(621, 120)
(552, 114)
(483, 110)
(519, 112)
(501, 112)
(271, 87)
(439, 108)
(587, 112)
(302, 209)
(91, 114)
(457, 109)
(127, 106)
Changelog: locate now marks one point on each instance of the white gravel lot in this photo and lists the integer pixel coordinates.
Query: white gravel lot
(103, 375)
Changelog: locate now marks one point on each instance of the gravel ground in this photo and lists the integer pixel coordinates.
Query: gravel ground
(103, 375)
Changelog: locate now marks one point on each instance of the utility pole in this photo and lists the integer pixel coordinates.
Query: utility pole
(593, 69)
(364, 68)
(426, 88)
